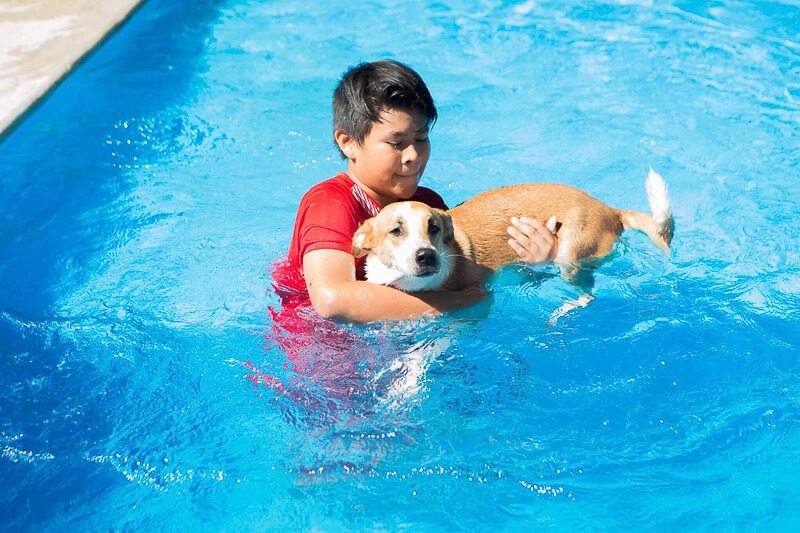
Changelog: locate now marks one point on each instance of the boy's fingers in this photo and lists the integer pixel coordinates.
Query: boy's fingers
(517, 234)
(521, 251)
(527, 226)
(529, 221)
(535, 225)
(531, 237)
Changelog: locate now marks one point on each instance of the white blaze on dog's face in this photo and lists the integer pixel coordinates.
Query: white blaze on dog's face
(407, 246)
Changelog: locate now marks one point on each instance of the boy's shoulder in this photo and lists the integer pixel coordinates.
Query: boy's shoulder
(342, 187)
(338, 193)
(339, 184)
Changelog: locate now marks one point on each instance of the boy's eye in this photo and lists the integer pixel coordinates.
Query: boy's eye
(396, 232)
(396, 146)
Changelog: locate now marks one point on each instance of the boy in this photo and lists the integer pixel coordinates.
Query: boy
(382, 116)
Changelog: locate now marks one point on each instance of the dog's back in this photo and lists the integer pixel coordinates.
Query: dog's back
(588, 226)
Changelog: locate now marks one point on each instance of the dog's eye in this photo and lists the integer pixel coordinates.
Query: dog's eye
(396, 232)
(433, 229)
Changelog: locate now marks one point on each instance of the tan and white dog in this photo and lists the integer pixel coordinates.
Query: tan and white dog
(414, 247)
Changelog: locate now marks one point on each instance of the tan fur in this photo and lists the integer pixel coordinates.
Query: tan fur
(589, 229)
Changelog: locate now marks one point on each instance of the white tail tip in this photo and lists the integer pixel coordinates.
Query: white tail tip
(658, 197)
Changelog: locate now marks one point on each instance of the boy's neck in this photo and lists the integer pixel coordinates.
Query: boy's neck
(382, 200)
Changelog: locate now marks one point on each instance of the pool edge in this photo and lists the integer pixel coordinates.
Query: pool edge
(36, 70)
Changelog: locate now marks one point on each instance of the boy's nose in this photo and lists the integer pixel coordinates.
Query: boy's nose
(410, 154)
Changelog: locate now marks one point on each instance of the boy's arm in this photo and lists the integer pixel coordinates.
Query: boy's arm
(336, 293)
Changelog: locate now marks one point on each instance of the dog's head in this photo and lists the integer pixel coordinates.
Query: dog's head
(407, 246)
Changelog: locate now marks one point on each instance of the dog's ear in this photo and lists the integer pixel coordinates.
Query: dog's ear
(448, 234)
(362, 240)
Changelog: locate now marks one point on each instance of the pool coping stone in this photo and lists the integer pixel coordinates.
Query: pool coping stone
(42, 41)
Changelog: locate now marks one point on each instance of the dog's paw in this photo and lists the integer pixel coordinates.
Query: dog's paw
(568, 306)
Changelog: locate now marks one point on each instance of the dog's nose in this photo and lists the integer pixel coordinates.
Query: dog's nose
(426, 257)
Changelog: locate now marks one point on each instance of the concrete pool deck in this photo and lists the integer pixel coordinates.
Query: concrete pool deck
(40, 42)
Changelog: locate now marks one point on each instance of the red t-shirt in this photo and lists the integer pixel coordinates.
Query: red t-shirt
(327, 218)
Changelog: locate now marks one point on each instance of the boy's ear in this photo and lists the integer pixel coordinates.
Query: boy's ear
(362, 240)
(344, 141)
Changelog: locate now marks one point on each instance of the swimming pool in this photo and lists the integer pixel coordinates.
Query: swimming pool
(143, 384)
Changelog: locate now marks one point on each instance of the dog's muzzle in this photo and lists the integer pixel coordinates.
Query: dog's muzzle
(427, 262)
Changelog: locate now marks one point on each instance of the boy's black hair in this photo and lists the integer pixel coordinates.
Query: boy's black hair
(370, 88)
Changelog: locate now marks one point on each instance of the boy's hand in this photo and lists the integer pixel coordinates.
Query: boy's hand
(534, 242)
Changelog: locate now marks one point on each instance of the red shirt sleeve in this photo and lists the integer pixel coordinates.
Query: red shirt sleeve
(326, 220)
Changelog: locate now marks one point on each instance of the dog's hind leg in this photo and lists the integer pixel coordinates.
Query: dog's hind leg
(581, 276)
(569, 305)
(583, 280)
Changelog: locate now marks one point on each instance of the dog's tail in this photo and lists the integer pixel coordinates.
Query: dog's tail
(659, 226)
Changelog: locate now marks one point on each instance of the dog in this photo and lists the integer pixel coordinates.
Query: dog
(414, 247)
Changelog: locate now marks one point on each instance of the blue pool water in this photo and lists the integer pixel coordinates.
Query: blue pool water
(144, 384)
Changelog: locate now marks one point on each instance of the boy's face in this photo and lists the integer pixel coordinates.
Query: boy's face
(389, 163)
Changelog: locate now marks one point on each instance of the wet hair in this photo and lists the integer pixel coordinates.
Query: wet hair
(368, 89)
